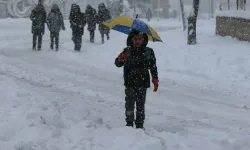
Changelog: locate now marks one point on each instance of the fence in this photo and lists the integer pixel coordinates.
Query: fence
(234, 5)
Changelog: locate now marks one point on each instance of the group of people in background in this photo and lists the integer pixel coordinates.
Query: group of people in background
(78, 20)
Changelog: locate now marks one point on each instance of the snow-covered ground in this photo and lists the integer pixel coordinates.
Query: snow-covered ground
(75, 101)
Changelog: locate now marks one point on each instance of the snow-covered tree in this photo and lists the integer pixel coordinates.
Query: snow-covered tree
(192, 19)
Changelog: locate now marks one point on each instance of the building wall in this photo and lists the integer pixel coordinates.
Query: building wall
(205, 7)
(10, 8)
(163, 3)
(164, 6)
(3, 9)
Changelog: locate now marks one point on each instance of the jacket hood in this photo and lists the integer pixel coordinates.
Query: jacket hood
(136, 32)
(77, 9)
(39, 8)
(55, 8)
(101, 6)
(40, 2)
(89, 7)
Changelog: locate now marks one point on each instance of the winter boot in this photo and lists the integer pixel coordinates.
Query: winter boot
(57, 47)
(34, 46)
(102, 36)
(78, 47)
(130, 124)
(51, 46)
(139, 126)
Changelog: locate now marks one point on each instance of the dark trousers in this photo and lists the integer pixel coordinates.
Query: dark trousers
(135, 96)
(54, 38)
(104, 32)
(92, 35)
(102, 35)
(77, 39)
(38, 36)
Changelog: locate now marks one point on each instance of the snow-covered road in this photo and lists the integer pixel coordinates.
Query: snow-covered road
(75, 101)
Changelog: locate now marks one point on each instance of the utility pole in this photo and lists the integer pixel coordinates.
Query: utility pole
(158, 13)
(134, 8)
(228, 4)
(183, 15)
(212, 8)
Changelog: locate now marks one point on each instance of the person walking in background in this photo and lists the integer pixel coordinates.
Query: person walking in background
(92, 18)
(38, 18)
(55, 24)
(77, 23)
(103, 15)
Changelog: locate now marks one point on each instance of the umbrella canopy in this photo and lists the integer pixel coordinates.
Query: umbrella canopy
(125, 24)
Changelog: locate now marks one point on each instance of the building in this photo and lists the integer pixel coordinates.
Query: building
(3, 9)
(153, 4)
(163, 5)
(206, 7)
(22, 8)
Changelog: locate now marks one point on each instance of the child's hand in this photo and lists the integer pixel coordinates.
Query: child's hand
(122, 57)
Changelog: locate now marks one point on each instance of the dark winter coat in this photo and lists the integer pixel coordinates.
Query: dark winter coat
(55, 19)
(137, 67)
(38, 18)
(103, 15)
(73, 6)
(77, 20)
(91, 18)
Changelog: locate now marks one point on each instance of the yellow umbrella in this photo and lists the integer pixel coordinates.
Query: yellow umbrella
(124, 24)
